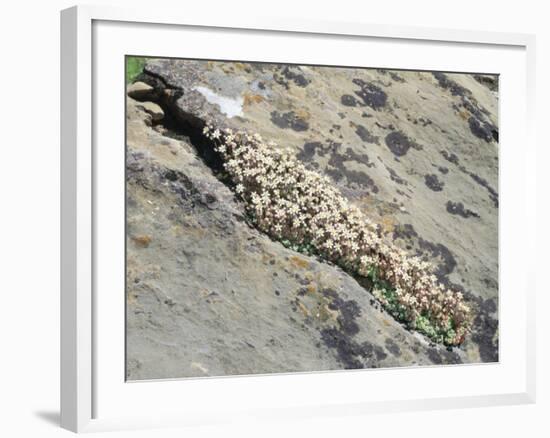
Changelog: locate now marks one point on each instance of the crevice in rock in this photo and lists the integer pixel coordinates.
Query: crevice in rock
(178, 123)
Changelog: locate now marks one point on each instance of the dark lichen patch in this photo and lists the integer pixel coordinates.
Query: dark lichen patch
(479, 125)
(482, 129)
(450, 157)
(431, 251)
(394, 176)
(365, 135)
(348, 312)
(353, 177)
(349, 100)
(335, 128)
(444, 170)
(336, 167)
(399, 143)
(493, 195)
(392, 347)
(424, 121)
(478, 121)
(434, 356)
(485, 327)
(457, 208)
(433, 182)
(350, 353)
(448, 262)
(373, 351)
(489, 305)
(295, 75)
(309, 151)
(172, 175)
(405, 232)
(484, 335)
(443, 357)
(289, 120)
(451, 357)
(402, 193)
(396, 77)
(449, 84)
(491, 283)
(178, 182)
(351, 155)
(490, 81)
(290, 74)
(371, 95)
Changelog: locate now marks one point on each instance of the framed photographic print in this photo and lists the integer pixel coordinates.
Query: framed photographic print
(335, 212)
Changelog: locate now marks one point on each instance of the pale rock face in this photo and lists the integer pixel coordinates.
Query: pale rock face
(209, 295)
(154, 110)
(140, 91)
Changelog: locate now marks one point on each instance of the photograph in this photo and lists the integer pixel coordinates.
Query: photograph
(291, 218)
(276, 220)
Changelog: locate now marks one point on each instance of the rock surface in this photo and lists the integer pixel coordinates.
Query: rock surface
(153, 110)
(140, 91)
(209, 295)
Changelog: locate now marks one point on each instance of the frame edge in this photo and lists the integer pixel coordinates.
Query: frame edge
(68, 358)
(75, 213)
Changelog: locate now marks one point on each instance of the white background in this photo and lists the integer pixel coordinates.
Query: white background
(29, 168)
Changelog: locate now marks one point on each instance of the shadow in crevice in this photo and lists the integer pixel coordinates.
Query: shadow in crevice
(180, 123)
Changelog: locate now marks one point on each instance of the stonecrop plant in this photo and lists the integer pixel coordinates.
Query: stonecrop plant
(304, 211)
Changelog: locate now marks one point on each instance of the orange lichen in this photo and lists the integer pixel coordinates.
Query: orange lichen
(299, 262)
(142, 241)
(251, 99)
(311, 288)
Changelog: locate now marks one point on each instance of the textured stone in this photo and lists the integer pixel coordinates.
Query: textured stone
(236, 299)
(140, 91)
(154, 110)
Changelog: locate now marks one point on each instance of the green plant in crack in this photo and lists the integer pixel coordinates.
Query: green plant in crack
(423, 322)
(134, 67)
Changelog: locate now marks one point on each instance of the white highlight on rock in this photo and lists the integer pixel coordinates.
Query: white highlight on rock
(231, 107)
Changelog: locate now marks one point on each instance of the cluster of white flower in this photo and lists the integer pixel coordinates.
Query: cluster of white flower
(291, 203)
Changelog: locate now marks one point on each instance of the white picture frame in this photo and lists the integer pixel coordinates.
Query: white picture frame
(93, 391)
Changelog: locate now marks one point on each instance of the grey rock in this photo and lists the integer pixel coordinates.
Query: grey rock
(377, 134)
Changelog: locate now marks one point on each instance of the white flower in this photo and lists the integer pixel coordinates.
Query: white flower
(283, 192)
